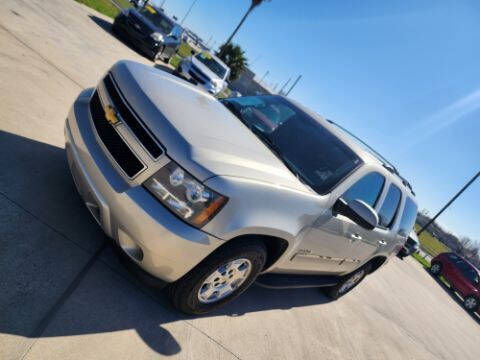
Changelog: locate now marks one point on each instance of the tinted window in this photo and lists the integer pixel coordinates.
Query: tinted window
(367, 189)
(466, 270)
(389, 207)
(158, 19)
(306, 147)
(212, 64)
(452, 256)
(408, 218)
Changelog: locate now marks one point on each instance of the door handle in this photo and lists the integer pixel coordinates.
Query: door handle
(355, 237)
(382, 242)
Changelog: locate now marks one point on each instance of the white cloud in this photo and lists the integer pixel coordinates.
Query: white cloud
(445, 117)
(452, 113)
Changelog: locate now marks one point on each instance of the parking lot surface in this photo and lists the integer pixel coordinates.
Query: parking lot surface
(65, 295)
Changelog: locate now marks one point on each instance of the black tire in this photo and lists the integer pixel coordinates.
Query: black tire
(468, 307)
(184, 293)
(338, 291)
(436, 268)
(166, 60)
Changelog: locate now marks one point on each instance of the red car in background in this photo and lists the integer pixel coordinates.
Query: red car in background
(462, 276)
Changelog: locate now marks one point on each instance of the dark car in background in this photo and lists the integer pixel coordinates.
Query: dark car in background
(149, 30)
(463, 277)
(411, 246)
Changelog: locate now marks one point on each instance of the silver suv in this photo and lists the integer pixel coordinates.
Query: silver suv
(209, 196)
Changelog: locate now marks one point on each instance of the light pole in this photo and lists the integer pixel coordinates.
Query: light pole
(449, 203)
(188, 12)
(294, 84)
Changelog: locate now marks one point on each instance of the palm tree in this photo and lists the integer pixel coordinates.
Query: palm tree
(253, 5)
(235, 58)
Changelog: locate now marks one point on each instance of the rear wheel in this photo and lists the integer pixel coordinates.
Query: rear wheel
(436, 268)
(219, 278)
(471, 303)
(348, 282)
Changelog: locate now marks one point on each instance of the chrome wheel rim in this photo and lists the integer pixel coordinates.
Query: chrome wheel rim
(352, 281)
(435, 268)
(470, 303)
(224, 280)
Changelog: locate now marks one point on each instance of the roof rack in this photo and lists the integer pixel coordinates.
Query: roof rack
(386, 164)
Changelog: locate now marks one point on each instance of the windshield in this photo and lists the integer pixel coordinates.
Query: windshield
(158, 19)
(310, 151)
(212, 64)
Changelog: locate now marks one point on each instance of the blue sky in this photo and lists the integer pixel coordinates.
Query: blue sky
(402, 75)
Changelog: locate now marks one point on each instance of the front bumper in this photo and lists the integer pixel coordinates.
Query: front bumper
(145, 230)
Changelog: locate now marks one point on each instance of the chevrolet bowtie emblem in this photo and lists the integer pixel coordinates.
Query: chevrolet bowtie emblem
(111, 115)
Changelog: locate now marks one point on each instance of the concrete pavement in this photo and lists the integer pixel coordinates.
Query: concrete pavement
(64, 294)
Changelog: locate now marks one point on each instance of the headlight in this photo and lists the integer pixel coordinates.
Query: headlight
(184, 195)
(157, 37)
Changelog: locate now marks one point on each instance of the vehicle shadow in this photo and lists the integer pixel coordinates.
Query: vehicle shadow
(453, 295)
(107, 297)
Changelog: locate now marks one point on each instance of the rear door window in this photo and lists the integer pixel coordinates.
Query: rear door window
(409, 216)
(367, 189)
(390, 206)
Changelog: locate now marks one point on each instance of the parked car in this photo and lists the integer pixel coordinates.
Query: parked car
(411, 246)
(206, 70)
(462, 276)
(149, 30)
(137, 3)
(206, 195)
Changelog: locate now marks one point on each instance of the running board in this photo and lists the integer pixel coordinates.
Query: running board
(295, 281)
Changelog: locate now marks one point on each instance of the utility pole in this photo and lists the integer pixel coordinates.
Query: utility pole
(449, 203)
(188, 12)
(294, 84)
(264, 76)
(280, 92)
(253, 5)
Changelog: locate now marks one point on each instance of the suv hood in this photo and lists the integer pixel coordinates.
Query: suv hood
(197, 131)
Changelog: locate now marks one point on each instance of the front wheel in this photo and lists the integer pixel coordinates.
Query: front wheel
(435, 268)
(219, 278)
(471, 303)
(348, 282)
(158, 56)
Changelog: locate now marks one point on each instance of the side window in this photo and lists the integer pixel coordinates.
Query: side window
(390, 206)
(408, 218)
(367, 189)
(452, 256)
(467, 271)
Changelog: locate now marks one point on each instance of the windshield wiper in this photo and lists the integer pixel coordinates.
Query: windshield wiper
(267, 140)
(270, 143)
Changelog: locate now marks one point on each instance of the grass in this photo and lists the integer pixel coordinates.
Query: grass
(421, 260)
(175, 61)
(430, 244)
(185, 50)
(105, 6)
(225, 93)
